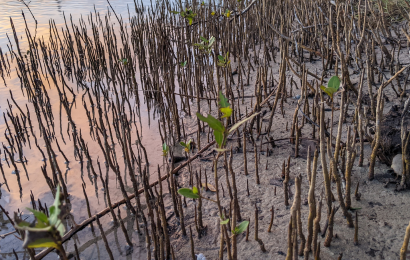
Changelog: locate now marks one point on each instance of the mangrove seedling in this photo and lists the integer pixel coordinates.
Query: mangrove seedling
(223, 61)
(165, 149)
(220, 133)
(123, 61)
(219, 130)
(332, 86)
(187, 146)
(227, 13)
(45, 231)
(205, 45)
(187, 14)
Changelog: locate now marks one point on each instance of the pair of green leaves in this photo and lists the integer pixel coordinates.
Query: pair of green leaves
(219, 130)
(47, 230)
(189, 193)
(215, 124)
(223, 61)
(165, 149)
(123, 61)
(187, 145)
(187, 14)
(205, 45)
(183, 64)
(239, 228)
(332, 86)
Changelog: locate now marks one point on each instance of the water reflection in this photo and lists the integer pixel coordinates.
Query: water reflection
(44, 10)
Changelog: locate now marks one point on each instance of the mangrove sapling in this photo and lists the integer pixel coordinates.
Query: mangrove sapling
(46, 231)
(220, 133)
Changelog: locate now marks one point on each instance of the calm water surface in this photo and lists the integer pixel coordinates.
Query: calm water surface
(44, 10)
(90, 244)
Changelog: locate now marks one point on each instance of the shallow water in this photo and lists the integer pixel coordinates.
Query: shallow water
(90, 245)
(44, 10)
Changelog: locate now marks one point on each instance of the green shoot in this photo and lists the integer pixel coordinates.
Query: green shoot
(165, 149)
(187, 145)
(223, 61)
(187, 14)
(124, 61)
(205, 45)
(241, 228)
(46, 231)
(332, 86)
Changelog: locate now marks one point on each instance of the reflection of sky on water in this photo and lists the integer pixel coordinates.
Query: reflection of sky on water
(44, 10)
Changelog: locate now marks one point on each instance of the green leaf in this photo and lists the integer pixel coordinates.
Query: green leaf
(224, 222)
(241, 227)
(219, 137)
(40, 216)
(220, 150)
(223, 101)
(188, 193)
(235, 126)
(334, 83)
(60, 227)
(22, 224)
(42, 242)
(55, 209)
(165, 149)
(227, 111)
(190, 20)
(213, 123)
(221, 58)
(203, 39)
(211, 41)
(195, 190)
(183, 144)
(174, 12)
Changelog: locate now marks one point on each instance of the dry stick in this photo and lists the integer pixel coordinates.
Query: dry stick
(235, 190)
(124, 230)
(351, 156)
(191, 239)
(298, 216)
(329, 234)
(379, 116)
(271, 219)
(405, 139)
(104, 239)
(289, 255)
(286, 185)
(316, 226)
(356, 231)
(326, 176)
(245, 161)
(312, 206)
(317, 252)
(403, 250)
(336, 177)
